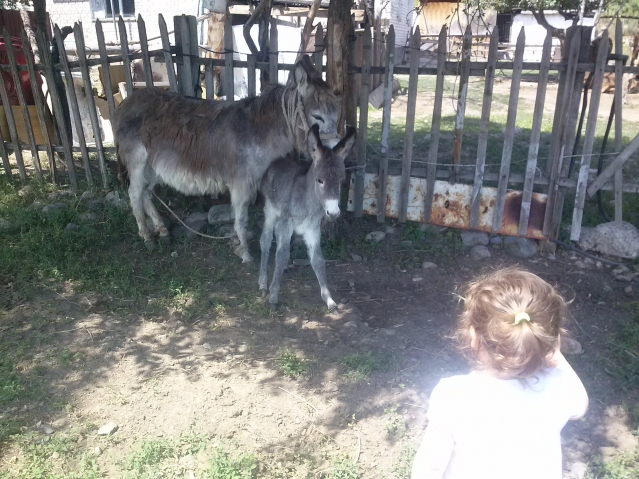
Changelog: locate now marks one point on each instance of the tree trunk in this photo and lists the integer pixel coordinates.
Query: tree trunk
(341, 40)
(308, 28)
(215, 42)
(40, 13)
(26, 24)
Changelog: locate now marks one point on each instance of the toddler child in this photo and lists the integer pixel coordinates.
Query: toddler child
(503, 420)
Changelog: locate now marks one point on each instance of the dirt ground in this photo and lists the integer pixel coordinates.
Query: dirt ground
(216, 368)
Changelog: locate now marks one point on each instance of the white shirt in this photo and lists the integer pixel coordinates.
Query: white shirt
(481, 427)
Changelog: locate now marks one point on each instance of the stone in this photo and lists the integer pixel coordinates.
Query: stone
(523, 248)
(25, 190)
(87, 216)
(108, 429)
(581, 264)
(187, 462)
(87, 195)
(355, 257)
(226, 230)
(46, 428)
(474, 238)
(622, 268)
(350, 325)
(54, 208)
(578, 470)
(199, 226)
(302, 262)
(55, 455)
(97, 451)
(95, 205)
(113, 197)
(58, 195)
(497, 240)
(36, 205)
(406, 243)
(4, 224)
(71, 227)
(417, 279)
(432, 229)
(389, 230)
(570, 346)
(626, 276)
(351, 283)
(196, 218)
(479, 252)
(221, 214)
(628, 290)
(611, 239)
(428, 265)
(376, 236)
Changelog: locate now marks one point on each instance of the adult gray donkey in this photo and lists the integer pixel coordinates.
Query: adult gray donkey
(297, 198)
(204, 147)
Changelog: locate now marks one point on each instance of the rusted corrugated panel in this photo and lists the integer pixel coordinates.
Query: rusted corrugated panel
(451, 205)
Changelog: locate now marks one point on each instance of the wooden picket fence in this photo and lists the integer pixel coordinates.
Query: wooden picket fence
(440, 193)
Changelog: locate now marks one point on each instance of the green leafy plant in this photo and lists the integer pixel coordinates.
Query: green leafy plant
(224, 466)
(291, 365)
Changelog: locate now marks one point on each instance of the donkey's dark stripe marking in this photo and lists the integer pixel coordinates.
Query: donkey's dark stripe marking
(296, 199)
(207, 147)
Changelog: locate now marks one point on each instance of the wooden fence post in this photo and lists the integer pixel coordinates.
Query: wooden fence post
(93, 111)
(23, 102)
(433, 147)
(404, 190)
(13, 131)
(273, 52)
(318, 56)
(73, 101)
(535, 137)
(362, 134)
(186, 79)
(106, 68)
(484, 125)
(464, 74)
(144, 46)
(45, 56)
(126, 61)
(229, 77)
(589, 138)
(251, 78)
(386, 124)
(618, 119)
(168, 56)
(5, 158)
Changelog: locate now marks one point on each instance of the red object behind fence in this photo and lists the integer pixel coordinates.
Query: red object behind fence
(24, 75)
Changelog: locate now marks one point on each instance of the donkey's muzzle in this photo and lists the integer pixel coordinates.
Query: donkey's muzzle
(332, 216)
(331, 207)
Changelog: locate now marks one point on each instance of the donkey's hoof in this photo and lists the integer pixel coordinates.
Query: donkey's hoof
(273, 306)
(150, 245)
(264, 292)
(165, 240)
(332, 307)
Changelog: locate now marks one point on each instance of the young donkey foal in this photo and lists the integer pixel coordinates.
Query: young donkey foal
(297, 198)
(202, 147)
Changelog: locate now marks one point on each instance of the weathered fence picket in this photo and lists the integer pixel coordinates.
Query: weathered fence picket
(273, 52)
(535, 136)
(509, 135)
(464, 74)
(435, 127)
(144, 46)
(5, 157)
(618, 101)
(185, 72)
(13, 130)
(73, 103)
(93, 112)
(415, 43)
(23, 102)
(126, 60)
(250, 74)
(386, 124)
(106, 68)
(168, 57)
(229, 79)
(589, 138)
(484, 124)
(613, 167)
(362, 134)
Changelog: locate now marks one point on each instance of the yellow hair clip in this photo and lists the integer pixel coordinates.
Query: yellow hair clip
(519, 317)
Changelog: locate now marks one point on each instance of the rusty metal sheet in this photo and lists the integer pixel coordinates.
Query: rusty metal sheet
(451, 205)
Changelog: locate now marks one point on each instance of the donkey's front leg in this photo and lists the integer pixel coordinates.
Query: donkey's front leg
(283, 233)
(240, 202)
(312, 240)
(265, 244)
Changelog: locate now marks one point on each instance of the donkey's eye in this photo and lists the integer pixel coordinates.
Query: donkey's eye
(318, 118)
(320, 182)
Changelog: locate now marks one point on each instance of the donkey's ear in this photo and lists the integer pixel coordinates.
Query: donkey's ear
(315, 146)
(346, 144)
(304, 71)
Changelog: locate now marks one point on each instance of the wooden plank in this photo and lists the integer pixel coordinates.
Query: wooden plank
(484, 125)
(589, 138)
(93, 111)
(168, 56)
(229, 77)
(13, 131)
(45, 56)
(410, 125)
(73, 103)
(509, 135)
(250, 59)
(187, 69)
(386, 123)
(436, 122)
(464, 74)
(144, 46)
(362, 134)
(106, 68)
(5, 158)
(556, 158)
(273, 52)
(209, 80)
(318, 56)
(377, 50)
(126, 60)
(618, 119)
(23, 102)
(191, 21)
(38, 97)
(613, 167)
(535, 136)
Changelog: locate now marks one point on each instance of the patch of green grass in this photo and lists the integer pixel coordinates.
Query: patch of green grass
(622, 355)
(360, 365)
(334, 249)
(225, 466)
(291, 365)
(395, 425)
(344, 468)
(403, 464)
(148, 460)
(625, 466)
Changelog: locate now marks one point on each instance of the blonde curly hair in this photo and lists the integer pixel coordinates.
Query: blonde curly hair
(511, 349)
